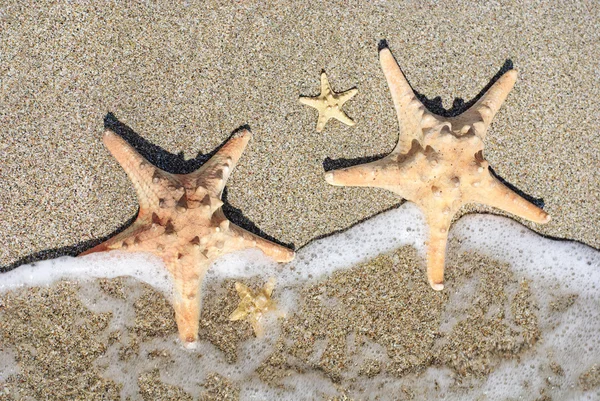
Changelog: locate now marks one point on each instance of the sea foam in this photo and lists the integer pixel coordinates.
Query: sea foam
(553, 268)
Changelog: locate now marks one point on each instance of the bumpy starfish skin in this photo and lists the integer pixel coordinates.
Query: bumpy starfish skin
(181, 221)
(438, 163)
(253, 305)
(329, 104)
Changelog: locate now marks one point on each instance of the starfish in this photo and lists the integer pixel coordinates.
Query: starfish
(253, 305)
(180, 220)
(438, 163)
(329, 104)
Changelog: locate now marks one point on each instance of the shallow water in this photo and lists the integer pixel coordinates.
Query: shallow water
(519, 319)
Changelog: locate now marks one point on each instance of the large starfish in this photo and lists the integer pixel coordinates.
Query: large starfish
(438, 163)
(181, 221)
(329, 104)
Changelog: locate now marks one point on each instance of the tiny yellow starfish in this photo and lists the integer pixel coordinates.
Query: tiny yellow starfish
(254, 305)
(329, 104)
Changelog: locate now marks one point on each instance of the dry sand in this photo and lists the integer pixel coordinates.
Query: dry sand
(179, 78)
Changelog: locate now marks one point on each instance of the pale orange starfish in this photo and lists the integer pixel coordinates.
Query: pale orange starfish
(329, 104)
(438, 163)
(181, 221)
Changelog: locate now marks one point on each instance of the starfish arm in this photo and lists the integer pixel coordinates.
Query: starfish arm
(214, 173)
(138, 169)
(256, 326)
(238, 314)
(481, 114)
(187, 278)
(269, 286)
(243, 290)
(382, 173)
(248, 240)
(187, 316)
(412, 115)
(325, 87)
(436, 248)
(349, 94)
(343, 117)
(321, 122)
(310, 101)
(121, 240)
(498, 195)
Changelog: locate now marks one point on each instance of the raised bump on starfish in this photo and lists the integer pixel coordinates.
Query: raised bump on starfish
(253, 305)
(329, 104)
(181, 221)
(480, 115)
(438, 163)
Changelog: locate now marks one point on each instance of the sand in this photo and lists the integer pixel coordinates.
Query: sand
(178, 79)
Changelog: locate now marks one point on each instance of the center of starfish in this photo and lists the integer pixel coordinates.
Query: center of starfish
(445, 163)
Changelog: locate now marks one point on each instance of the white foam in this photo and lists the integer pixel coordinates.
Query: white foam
(144, 267)
(380, 234)
(554, 268)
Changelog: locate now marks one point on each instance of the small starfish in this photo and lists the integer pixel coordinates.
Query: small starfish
(329, 104)
(181, 221)
(438, 163)
(254, 305)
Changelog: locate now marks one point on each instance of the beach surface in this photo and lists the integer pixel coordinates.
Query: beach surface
(176, 79)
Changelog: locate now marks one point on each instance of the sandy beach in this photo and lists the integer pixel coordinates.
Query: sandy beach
(177, 79)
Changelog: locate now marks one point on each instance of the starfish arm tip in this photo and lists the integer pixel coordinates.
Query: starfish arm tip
(512, 74)
(238, 314)
(321, 125)
(329, 177)
(241, 288)
(383, 50)
(344, 97)
(436, 286)
(284, 255)
(243, 133)
(109, 137)
(309, 101)
(343, 118)
(278, 252)
(259, 332)
(545, 218)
